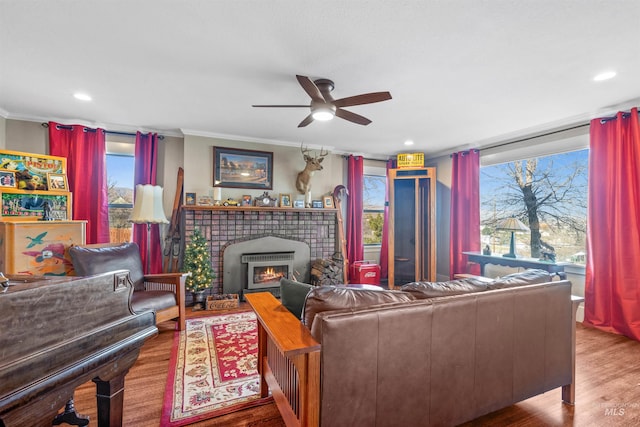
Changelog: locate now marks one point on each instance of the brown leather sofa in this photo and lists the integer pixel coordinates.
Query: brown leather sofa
(420, 362)
(162, 293)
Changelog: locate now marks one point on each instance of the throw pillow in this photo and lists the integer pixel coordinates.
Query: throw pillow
(293, 294)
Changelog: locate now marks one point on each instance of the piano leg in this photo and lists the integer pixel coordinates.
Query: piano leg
(70, 416)
(110, 396)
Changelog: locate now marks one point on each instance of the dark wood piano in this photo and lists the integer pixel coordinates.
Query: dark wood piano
(60, 332)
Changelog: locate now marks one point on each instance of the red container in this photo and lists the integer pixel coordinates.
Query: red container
(364, 272)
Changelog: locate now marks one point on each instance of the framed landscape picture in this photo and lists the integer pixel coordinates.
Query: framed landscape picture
(237, 168)
(18, 205)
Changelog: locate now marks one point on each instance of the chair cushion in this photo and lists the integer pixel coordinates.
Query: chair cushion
(152, 300)
(90, 261)
(527, 277)
(326, 298)
(293, 294)
(425, 290)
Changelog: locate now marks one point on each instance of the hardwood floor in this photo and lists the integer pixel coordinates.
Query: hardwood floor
(607, 392)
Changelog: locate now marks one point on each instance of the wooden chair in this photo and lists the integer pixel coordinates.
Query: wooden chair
(162, 293)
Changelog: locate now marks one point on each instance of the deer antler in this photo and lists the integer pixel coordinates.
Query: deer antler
(304, 150)
(325, 154)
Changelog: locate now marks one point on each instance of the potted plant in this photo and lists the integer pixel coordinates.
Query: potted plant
(197, 262)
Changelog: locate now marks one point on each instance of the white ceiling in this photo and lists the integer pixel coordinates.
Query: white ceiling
(462, 73)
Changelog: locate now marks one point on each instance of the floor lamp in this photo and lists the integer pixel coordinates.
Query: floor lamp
(147, 209)
(513, 225)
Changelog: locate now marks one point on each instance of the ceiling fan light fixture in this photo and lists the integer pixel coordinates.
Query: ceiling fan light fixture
(323, 114)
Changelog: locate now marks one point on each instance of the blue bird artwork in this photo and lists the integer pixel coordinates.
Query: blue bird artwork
(36, 240)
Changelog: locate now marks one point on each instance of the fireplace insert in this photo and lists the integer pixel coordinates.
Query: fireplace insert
(264, 270)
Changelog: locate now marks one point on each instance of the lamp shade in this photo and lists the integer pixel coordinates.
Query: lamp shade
(511, 224)
(147, 207)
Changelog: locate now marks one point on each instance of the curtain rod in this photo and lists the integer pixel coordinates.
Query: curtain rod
(602, 120)
(535, 136)
(624, 115)
(346, 156)
(112, 132)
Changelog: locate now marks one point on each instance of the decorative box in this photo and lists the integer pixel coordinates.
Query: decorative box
(222, 301)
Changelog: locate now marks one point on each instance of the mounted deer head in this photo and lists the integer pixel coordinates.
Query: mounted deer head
(303, 181)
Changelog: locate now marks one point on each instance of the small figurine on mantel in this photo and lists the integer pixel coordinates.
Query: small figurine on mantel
(46, 211)
(486, 250)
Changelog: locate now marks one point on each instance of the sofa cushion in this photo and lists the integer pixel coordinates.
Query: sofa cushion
(326, 298)
(98, 260)
(527, 277)
(152, 300)
(424, 290)
(293, 294)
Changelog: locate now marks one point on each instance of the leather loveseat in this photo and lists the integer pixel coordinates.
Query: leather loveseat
(440, 360)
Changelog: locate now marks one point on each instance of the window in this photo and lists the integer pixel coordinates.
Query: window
(373, 212)
(120, 191)
(548, 194)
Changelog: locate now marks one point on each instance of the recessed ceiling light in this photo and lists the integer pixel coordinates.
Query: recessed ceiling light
(408, 142)
(604, 76)
(82, 96)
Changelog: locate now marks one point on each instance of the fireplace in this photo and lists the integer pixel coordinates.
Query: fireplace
(264, 270)
(232, 232)
(245, 264)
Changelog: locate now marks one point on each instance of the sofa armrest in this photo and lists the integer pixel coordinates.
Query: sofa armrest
(288, 361)
(174, 282)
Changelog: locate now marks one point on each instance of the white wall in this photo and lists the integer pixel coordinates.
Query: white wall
(443, 205)
(3, 132)
(287, 162)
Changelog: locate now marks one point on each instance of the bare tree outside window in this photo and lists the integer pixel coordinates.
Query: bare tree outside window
(548, 194)
(373, 214)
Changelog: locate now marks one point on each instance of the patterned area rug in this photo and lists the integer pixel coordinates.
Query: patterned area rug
(212, 370)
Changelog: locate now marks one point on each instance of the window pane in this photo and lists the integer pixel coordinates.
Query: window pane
(372, 228)
(374, 192)
(120, 188)
(373, 203)
(549, 195)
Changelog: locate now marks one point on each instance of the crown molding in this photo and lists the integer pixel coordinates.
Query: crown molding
(241, 138)
(106, 126)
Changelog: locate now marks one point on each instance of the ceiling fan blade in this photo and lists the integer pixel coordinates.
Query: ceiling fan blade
(281, 106)
(306, 121)
(367, 98)
(311, 88)
(352, 117)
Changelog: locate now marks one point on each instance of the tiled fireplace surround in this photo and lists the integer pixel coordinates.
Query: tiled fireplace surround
(223, 227)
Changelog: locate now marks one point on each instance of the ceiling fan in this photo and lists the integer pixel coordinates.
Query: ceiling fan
(324, 107)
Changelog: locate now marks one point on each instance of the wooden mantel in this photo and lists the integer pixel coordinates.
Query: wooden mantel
(254, 208)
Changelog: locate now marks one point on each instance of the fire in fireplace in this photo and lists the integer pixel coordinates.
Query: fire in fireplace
(264, 270)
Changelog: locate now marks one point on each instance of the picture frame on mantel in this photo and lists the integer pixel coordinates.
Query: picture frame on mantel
(239, 168)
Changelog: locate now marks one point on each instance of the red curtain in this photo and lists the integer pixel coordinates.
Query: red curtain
(146, 167)
(85, 152)
(355, 185)
(384, 247)
(464, 233)
(612, 284)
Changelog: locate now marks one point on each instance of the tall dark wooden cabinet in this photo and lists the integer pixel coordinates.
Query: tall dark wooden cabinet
(412, 220)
